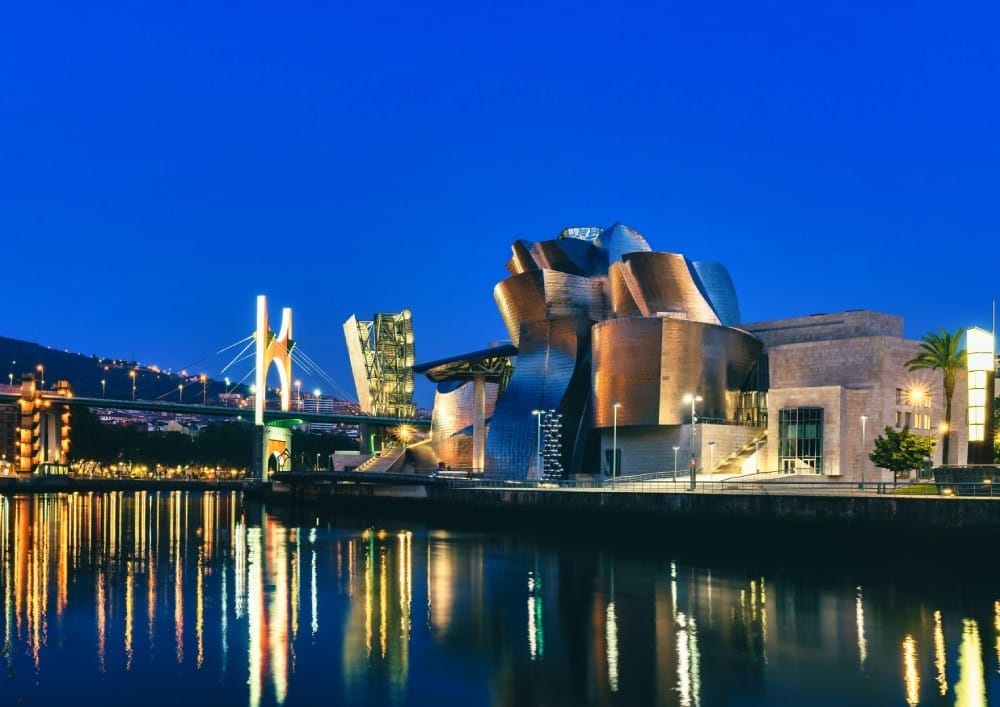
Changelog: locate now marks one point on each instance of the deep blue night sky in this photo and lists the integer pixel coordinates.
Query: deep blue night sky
(164, 163)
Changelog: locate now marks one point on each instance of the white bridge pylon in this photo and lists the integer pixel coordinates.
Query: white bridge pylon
(272, 349)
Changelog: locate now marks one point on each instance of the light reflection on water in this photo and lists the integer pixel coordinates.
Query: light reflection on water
(173, 597)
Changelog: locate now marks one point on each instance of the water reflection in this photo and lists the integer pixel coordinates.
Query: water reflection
(169, 595)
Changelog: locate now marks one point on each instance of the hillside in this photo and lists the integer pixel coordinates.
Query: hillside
(85, 373)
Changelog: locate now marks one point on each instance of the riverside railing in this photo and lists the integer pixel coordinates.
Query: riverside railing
(659, 484)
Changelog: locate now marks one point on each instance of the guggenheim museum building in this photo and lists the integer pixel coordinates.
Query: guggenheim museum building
(621, 361)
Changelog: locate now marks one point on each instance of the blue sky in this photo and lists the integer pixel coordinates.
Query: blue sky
(161, 164)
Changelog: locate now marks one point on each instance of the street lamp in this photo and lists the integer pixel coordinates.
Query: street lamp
(864, 419)
(756, 455)
(298, 394)
(711, 457)
(538, 442)
(316, 395)
(675, 460)
(103, 384)
(227, 392)
(41, 369)
(204, 389)
(180, 392)
(614, 444)
(132, 376)
(690, 398)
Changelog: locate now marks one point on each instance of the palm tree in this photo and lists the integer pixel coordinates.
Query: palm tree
(943, 352)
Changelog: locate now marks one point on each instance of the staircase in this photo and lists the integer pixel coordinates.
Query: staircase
(733, 464)
(383, 462)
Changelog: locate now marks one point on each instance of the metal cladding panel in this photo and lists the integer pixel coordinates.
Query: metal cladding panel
(627, 365)
(551, 362)
(451, 422)
(575, 297)
(718, 287)
(620, 240)
(521, 261)
(520, 298)
(662, 282)
(572, 256)
(622, 303)
(545, 294)
(649, 364)
(551, 255)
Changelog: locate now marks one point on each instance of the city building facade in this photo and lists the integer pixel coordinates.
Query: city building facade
(835, 382)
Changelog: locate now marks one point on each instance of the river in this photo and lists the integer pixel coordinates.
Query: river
(203, 598)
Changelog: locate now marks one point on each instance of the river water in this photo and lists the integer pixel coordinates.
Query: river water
(203, 598)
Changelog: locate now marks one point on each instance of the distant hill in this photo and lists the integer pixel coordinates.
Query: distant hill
(85, 373)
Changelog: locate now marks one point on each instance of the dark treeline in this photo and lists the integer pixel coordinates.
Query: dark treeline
(225, 444)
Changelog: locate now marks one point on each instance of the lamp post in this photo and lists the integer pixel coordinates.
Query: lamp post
(298, 395)
(614, 444)
(538, 442)
(41, 369)
(227, 392)
(204, 389)
(132, 376)
(180, 392)
(711, 457)
(103, 384)
(756, 455)
(692, 398)
(316, 396)
(11, 377)
(864, 419)
(675, 460)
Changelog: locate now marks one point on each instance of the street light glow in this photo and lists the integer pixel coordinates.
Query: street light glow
(614, 445)
(692, 398)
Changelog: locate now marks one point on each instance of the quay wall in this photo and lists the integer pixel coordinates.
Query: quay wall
(719, 511)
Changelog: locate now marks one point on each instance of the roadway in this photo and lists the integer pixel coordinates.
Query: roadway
(223, 411)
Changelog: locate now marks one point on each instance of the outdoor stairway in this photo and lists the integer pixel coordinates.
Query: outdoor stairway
(384, 462)
(733, 464)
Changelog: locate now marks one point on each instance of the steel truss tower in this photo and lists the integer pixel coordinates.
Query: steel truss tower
(381, 353)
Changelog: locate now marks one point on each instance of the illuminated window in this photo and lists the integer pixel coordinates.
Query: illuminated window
(800, 440)
(980, 359)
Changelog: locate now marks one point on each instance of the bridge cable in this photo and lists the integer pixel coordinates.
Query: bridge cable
(237, 358)
(223, 349)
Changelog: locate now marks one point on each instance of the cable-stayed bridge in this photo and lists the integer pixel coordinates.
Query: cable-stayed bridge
(42, 434)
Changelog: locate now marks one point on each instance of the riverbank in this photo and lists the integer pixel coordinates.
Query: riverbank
(69, 484)
(678, 510)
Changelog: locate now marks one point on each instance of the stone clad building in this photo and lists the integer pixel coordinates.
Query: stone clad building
(825, 371)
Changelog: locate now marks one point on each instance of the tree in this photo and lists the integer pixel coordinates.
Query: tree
(901, 451)
(943, 352)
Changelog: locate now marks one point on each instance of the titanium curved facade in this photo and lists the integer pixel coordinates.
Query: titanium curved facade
(451, 423)
(647, 365)
(719, 290)
(598, 317)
